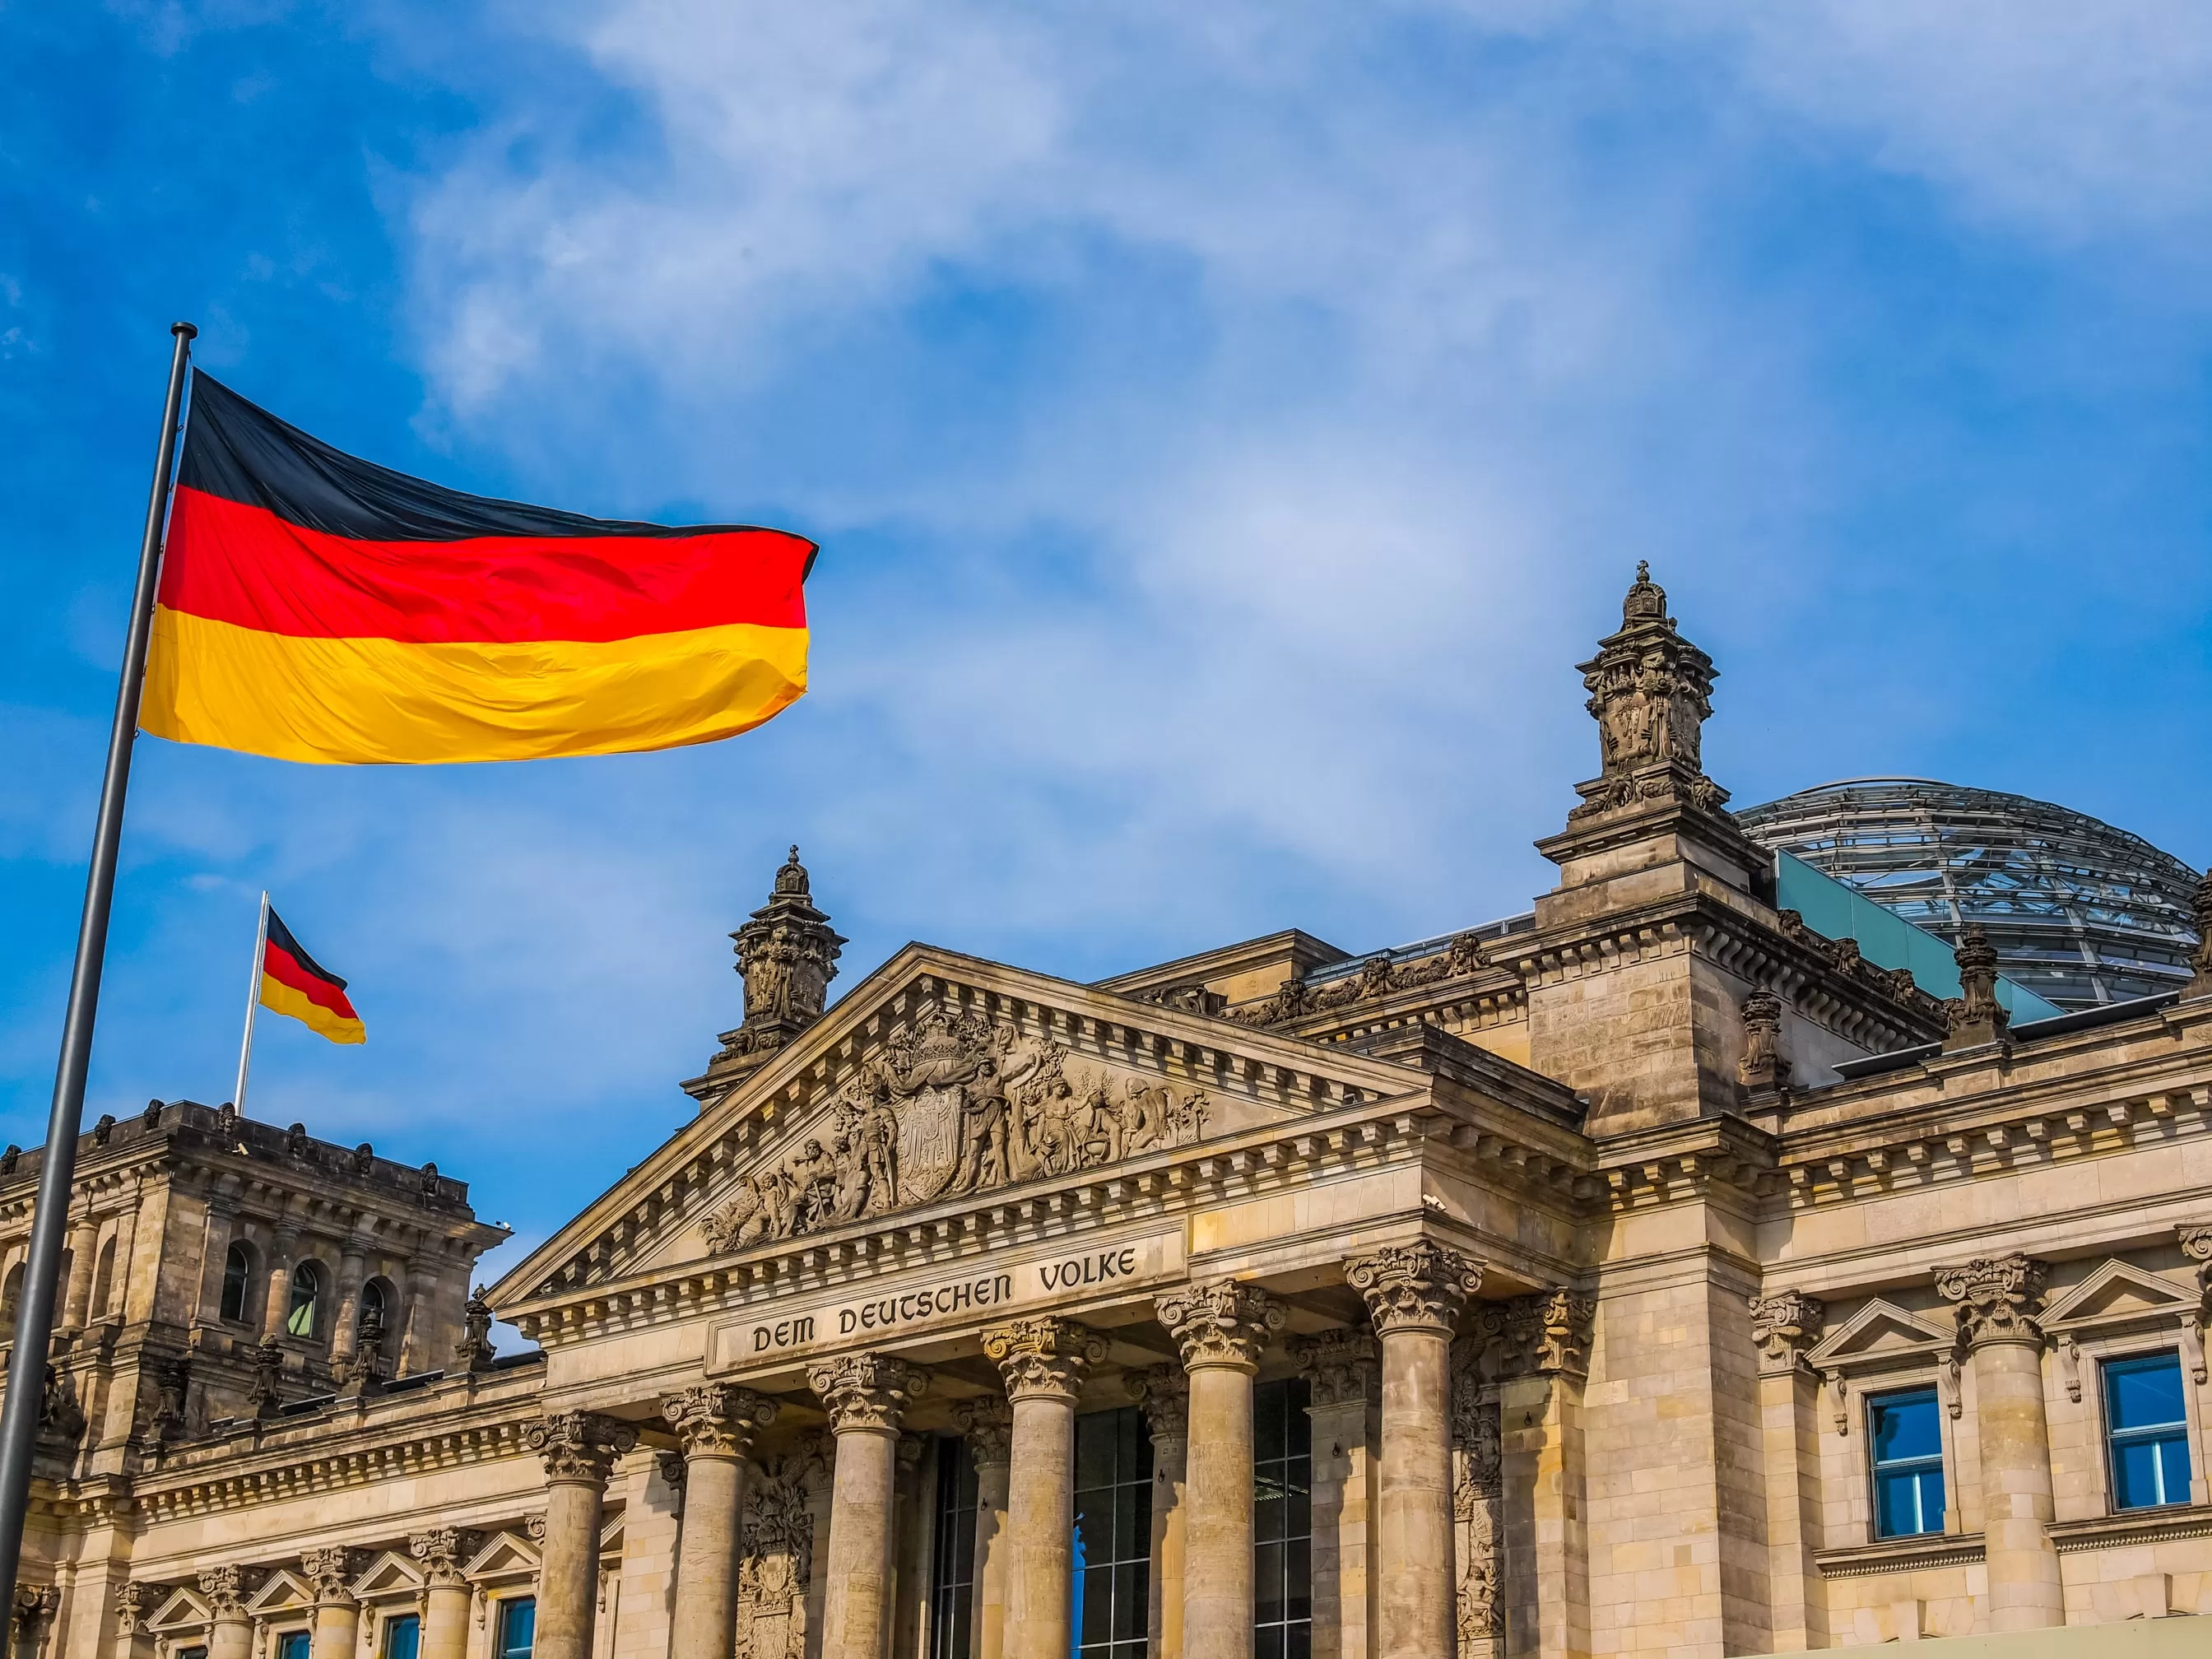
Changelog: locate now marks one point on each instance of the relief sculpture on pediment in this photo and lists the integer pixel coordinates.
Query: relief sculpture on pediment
(955, 1104)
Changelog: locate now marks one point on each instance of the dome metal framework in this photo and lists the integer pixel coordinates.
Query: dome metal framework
(2080, 912)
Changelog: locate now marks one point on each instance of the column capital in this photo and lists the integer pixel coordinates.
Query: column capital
(130, 1607)
(1340, 1366)
(226, 1589)
(1164, 1393)
(332, 1572)
(868, 1391)
(1548, 1334)
(1785, 1324)
(716, 1419)
(579, 1446)
(1222, 1322)
(988, 1424)
(1999, 1297)
(1044, 1358)
(1416, 1286)
(444, 1553)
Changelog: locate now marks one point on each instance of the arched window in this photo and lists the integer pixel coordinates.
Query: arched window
(103, 1279)
(307, 1299)
(11, 1294)
(376, 1310)
(237, 1277)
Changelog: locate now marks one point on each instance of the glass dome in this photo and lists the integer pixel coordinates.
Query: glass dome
(2081, 913)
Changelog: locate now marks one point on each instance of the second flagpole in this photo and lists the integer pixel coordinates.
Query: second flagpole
(252, 1005)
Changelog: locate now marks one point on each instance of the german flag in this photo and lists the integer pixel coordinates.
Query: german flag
(293, 983)
(315, 607)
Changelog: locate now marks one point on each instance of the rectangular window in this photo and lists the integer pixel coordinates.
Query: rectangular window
(294, 1645)
(2148, 1427)
(403, 1637)
(1113, 1535)
(1282, 1520)
(1905, 1435)
(952, 1568)
(518, 1627)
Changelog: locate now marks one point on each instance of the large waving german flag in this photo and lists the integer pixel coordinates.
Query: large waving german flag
(316, 607)
(293, 983)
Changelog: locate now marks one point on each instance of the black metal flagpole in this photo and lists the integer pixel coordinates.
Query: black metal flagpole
(34, 1315)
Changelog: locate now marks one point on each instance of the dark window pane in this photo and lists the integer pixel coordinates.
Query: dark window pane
(2144, 1393)
(1906, 1425)
(1297, 1511)
(1133, 1606)
(1297, 1587)
(1094, 1450)
(1267, 1415)
(402, 1636)
(1133, 1531)
(1299, 1442)
(1267, 1520)
(1094, 1527)
(1298, 1642)
(1267, 1642)
(1098, 1605)
(1267, 1584)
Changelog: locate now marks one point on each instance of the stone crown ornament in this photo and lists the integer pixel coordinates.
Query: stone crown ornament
(1650, 694)
(787, 955)
(1416, 1286)
(1222, 1324)
(579, 1445)
(867, 1392)
(1044, 1357)
(717, 1419)
(332, 1572)
(1999, 1297)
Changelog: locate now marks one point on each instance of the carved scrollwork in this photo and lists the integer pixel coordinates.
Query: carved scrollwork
(866, 1391)
(1477, 1494)
(1163, 1391)
(988, 1425)
(1339, 1367)
(1044, 1357)
(1785, 1324)
(579, 1445)
(718, 1419)
(227, 1589)
(1223, 1323)
(1549, 1334)
(1416, 1286)
(444, 1553)
(332, 1572)
(1999, 1297)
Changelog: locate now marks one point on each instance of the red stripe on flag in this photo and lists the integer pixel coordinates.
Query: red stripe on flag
(234, 564)
(281, 965)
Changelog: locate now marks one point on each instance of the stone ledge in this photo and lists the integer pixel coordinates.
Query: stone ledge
(1933, 1549)
(2135, 1526)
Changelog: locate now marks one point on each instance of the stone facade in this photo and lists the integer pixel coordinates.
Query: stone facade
(1597, 1240)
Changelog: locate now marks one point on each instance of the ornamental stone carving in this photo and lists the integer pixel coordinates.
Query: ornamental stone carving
(1378, 976)
(1764, 1066)
(226, 1590)
(474, 1352)
(1044, 1358)
(956, 1104)
(2200, 959)
(266, 1395)
(1164, 1393)
(580, 1446)
(775, 1566)
(1976, 1017)
(1999, 1297)
(1416, 1286)
(332, 1572)
(787, 955)
(1549, 1334)
(717, 1419)
(2196, 1245)
(867, 1392)
(987, 1423)
(1339, 1367)
(1785, 1324)
(444, 1553)
(1221, 1324)
(130, 1607)
(1650, 693)
(1478, 1499)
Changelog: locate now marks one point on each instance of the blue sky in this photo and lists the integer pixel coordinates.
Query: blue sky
(1226, 428)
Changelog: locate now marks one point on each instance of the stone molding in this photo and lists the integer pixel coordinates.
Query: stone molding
(332, 1572)
(987, 1423)
(579, 1446)
(718, 1419)
(1998, 1298)
(1421, 1286)
(1341, 1367)
(1222, 1322)
(1785, 1324)
(226, 1589)
(1044, 1357)
(444, 1553)
(1163, 1391)
(867, 1393)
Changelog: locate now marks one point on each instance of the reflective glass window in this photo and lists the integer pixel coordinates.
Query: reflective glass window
(1906, 1434)
(1113, 1535)
(2148, 1426)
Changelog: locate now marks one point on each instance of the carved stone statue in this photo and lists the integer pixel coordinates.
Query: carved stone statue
(787, 954)
(1650, 693)
(1976, 1017)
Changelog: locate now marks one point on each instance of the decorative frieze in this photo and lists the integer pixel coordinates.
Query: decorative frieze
(1223, 1323)
(1340, 1366)
(580, 1446)
(1478, 1500)
(1785, 1324)
(717, 1419)
(1044, 1357)
(866, 1391)
(987, 1424)
(1416, 1286)
(1998, 1298)
(132, 1607)
(1163, 1391)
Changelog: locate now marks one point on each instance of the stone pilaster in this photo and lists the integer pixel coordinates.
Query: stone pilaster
(1344, 1395)
(988, 1424)
(1785, 1324)
(76, 1294)
(1222, 1326)
(230, 1634)
(443, 1553)
(1415, 1294)
(1998, 1298)
(867, 1396)
(579, 1449)
(1543, 1471)
(1163, 1391)
(1044, 1363)
(717, 1424)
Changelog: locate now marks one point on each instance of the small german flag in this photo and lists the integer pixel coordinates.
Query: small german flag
(293, 983)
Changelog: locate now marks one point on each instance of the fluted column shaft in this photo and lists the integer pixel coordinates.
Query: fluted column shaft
(1044, 1363)
(987, 1426)
(1415, 1294)
(1164, 1391)
(1222, 1326)
(717, 1424)
(867, 1396)
(579, 1449)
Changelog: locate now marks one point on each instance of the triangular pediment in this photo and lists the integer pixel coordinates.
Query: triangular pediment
(503, 1552)
(2118, 1292)
(1880, 1330)
(282, 1591)
(389, 1574)
(182, 1609)
(941, 1079)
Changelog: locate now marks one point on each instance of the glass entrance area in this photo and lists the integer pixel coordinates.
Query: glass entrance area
(1282, 1521)
(1113, 1535)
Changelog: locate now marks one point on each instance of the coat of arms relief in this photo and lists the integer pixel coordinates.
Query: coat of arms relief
(776, 1566)
(956, 1104)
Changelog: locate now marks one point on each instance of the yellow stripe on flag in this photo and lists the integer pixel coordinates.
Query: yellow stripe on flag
(280, 998)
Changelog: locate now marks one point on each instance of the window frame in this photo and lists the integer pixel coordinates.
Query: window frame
(238, 1248)
(318, 1279)
(1871, 1402)
(502, 1609)
(2185, 1430)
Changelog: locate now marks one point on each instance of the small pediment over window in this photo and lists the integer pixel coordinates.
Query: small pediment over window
(390, 1574)
(2120, 1294)
(1880, 1331)
(282, 1591)
(503, 1554)
(184, 1609)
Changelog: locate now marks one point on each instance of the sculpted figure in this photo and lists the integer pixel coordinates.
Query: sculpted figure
(983, 1132)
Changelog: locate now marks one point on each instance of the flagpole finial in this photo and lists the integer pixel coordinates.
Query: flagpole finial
(191, 331)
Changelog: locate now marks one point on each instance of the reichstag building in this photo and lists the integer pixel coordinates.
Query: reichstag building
(1794, 1232)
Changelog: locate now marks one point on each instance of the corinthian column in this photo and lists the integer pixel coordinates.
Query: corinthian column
(1222, 1326)
(988, 1425)
(1045, 1362)
(444, 1551)
(1415, 1294)
(580, 1450)
(1164, 1392)
(231, 1634)
(867, 1396)
(1998, 1298)
(337, 1615)
(717, 1424)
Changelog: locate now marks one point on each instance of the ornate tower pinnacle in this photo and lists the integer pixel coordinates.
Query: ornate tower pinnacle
(2200, 959)
(787, 955)
(1650, 691)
